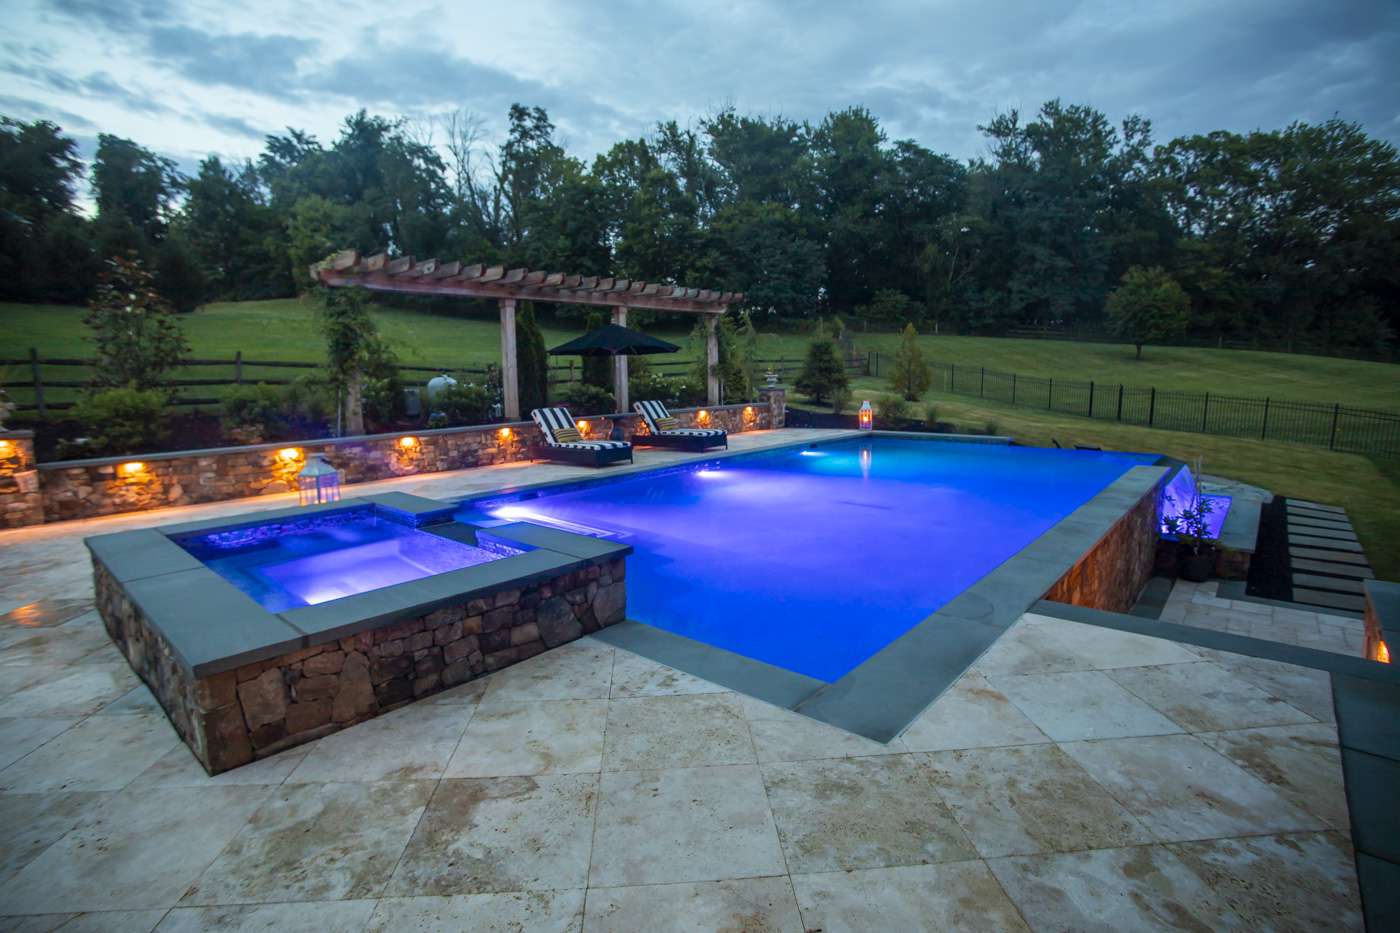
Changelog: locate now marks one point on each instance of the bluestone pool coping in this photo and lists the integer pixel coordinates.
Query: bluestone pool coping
(212, 626)
(880, 697)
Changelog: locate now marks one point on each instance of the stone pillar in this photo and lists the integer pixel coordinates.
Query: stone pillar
(510, 371)
(775, 397)
(712, 359)
(619, 317)
(20, 500)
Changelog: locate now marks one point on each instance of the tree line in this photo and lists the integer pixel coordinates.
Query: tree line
(1289, 235)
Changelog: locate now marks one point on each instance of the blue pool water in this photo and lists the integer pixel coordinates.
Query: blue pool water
(305, 561)
(814, 560)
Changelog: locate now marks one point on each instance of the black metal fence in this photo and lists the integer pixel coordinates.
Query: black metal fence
(1334, 426)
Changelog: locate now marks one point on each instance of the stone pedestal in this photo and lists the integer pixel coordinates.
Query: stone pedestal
(775, 397)
(20, 501)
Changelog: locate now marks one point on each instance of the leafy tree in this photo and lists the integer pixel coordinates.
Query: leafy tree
(910, 376)
(138, 338)
(1148, 307)
(355, 352)
(823, 374)
(888, 304)
(135, 187)
(124, 420)
(45, 246)
(532, 363)
(317, 227)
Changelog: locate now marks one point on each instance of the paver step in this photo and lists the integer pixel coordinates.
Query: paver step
(1341, 570)
(1331, 533)
(1335, 584)
(1340, 557)
(1295, 519)
(1317, 505)
(1315, 541)
(1333, 600)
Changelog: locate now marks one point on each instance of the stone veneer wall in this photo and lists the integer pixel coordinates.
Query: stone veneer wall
(1112, 574)
(20, 500)
(85, 488)
(231, 718)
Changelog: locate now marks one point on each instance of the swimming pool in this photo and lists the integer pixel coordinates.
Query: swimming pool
(813, 560)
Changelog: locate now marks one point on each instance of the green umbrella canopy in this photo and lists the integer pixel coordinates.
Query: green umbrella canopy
(613, 340)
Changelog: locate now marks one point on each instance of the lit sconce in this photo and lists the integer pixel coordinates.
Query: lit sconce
(582, 425)
(749, 415)
(133, 468)
(408, 444)
(318, 482)
(702, 418)
(503, 434)
(1382, 653)
(289, 454)
(867, 416)
(7, 448)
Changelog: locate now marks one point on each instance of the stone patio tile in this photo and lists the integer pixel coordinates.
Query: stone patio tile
(753, 905)
(20, 736)
(468, 694)
(849, 813)
(1203, 697)
(181, 769)
(139, 849)
(487, 835)
(1110, 891)
(138, 699)
(30, 823)
(1248, 608)
(99, 753)
(580, 670)
(104, 921)
(79, 690)
(636, 676)
(305, 917)
(684, 825)
(315, 842)
(647, 733)
(42, 923)
(1042, 645)
(1181, 790)
(513, 912)
(954, 896)
(1304, 688)
(45, 655)
(971, 714)
(1303, 882)
(798, 738)
(539, 737)
(1301, 762)
(1030, 799)
(1081, 705)
(414, 742)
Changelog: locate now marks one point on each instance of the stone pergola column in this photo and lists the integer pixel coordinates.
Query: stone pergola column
(510, 372)
(712, 359)
(619, 317)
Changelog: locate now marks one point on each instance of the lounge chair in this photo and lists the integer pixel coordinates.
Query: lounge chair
(563, 443)
(667, 432)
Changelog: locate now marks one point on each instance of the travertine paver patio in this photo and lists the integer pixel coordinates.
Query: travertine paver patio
(1075, 777)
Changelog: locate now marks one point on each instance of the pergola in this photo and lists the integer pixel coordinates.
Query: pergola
(507, 286)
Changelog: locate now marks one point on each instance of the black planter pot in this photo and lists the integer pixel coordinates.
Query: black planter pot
(1197, 567)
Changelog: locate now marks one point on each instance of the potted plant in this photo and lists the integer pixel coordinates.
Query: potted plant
(1191, 529)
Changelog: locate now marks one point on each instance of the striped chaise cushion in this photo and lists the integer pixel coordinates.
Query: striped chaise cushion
(554, 421)
(660, 421)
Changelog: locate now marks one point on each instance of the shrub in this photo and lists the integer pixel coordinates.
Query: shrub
(910, 376)
(120, 421)
(1147, 307)
(138, 338)
(532, 362)
(840, 399)
(931, 416)
(892, 408)
(252, 413)
(822, 372)
(461, 403)
(584, 399)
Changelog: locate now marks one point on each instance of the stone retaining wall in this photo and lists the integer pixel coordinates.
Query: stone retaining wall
(231, 718)
(20, 500)
(86, 488)
(1112, 574)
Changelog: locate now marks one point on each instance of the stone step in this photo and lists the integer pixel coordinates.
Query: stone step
(1336, 584)
(1341, 570)
(1318, 506)
(1334, 534)
(1331, 600)
(1294, 519)
(1315, 541)
(1339, 557)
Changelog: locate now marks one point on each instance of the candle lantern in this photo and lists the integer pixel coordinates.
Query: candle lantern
(318, 482)
(867, 416)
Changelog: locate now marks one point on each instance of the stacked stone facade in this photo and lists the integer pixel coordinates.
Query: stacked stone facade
(20, 500)
(236, 716)
(83, 489)
(1112, 574)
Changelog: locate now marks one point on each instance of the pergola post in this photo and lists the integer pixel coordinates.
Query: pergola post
(712, 359)
(510, 371)
(619, 317)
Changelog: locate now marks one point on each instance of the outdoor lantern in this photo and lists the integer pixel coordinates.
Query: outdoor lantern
(408, 443)
(867, 416)
(318, 482)
(289, 454)
(770, 378)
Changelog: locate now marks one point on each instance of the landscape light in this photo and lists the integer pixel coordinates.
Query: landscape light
(867, 416)
(408, 443)
(289, 454)
(702, 418)
(6, 447)
(503, 434)
(582, 425)
(132, 468)
(1383, 653)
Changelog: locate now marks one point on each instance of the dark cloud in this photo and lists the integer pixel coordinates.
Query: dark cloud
(264, 64)
(22, 108)
(234, 126)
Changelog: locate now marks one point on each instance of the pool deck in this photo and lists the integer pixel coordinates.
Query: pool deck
(1076, 776)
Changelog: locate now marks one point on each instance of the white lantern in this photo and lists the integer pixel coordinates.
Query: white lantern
(867, 416)
(318, 482)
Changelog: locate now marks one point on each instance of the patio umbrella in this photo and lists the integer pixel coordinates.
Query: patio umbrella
(613, 340)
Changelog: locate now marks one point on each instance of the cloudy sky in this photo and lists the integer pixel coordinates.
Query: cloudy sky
(190, 77)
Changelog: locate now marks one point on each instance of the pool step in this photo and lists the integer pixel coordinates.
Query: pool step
(1328, 600)
(1317, 582)
(1337, 570)
(1332, 534)
(1338, 557)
